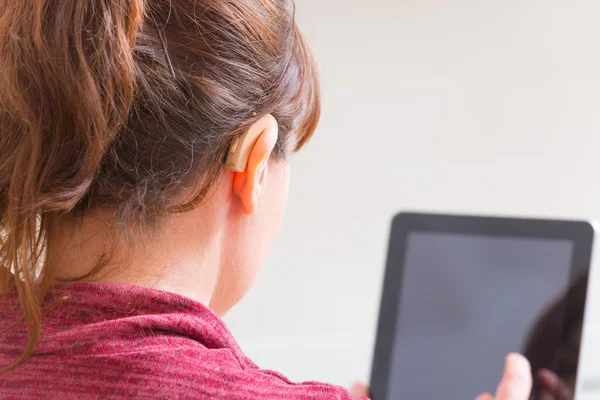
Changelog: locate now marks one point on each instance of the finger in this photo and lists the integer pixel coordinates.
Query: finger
(551, 383)
(516, 381)
(485, 396)
(359, 390)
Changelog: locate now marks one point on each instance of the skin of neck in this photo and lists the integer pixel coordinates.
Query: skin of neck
(181, 255)
(211, 254)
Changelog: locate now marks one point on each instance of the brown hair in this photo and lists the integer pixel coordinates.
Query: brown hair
(125, 104)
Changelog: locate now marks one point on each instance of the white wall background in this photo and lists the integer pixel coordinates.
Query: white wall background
(445, 105)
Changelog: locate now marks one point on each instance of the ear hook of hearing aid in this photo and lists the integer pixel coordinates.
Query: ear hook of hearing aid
(241, 146)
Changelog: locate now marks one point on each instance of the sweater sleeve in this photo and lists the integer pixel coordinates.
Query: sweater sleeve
(257, 384)
(166, 375)
(216, 375)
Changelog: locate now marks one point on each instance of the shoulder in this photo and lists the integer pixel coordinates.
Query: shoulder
(215, 374)
(182, 372)
(219, 374)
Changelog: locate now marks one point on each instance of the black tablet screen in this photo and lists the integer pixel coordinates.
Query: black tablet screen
(466, 301)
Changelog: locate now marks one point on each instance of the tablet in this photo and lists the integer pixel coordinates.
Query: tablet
(460, 292)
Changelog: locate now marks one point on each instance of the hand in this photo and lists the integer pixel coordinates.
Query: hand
(516, 382)
(552, 387)
(360, 390)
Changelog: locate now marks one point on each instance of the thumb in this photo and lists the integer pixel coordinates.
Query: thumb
(359, 390)
(516, 381)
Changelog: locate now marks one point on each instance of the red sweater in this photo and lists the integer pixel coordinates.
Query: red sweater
(124, 342)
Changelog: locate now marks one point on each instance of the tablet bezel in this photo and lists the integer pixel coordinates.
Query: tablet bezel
(581, 233)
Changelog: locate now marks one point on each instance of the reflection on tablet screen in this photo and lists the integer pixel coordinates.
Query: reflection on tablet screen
(467, 300)
(553, 344)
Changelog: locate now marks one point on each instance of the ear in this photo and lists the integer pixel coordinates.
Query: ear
(248, 157)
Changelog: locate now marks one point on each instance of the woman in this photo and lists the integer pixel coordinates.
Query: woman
(125, 234)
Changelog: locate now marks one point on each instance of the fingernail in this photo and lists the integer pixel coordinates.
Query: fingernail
(517, 366)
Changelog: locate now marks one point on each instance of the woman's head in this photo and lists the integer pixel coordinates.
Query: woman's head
(127, 108)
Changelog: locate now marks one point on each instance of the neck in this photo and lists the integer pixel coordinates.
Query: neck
(168, 258)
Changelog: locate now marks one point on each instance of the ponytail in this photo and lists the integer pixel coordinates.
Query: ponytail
(67, 82)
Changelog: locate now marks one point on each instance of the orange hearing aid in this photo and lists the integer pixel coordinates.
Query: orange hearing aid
(240, 147)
